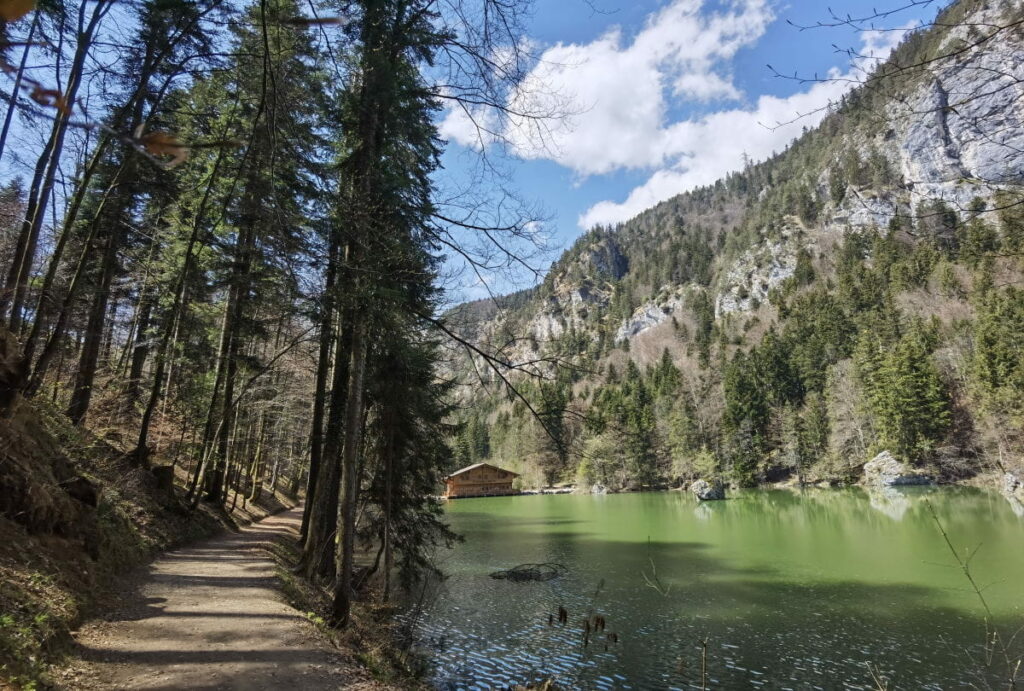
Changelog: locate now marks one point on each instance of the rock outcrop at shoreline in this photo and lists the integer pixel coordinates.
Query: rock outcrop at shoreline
(707, 491)
(884, 470)
(1013, 487)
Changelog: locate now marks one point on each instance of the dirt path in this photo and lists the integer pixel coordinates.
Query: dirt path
(210, 616)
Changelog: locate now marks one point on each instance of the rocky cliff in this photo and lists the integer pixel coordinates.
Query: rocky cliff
(928, 151)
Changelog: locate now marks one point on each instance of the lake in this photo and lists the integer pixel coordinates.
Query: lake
(813, 589)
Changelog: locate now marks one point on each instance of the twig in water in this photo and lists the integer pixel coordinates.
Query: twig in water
(653, 581)
(703, 664)
(881, 682)
(995, 643)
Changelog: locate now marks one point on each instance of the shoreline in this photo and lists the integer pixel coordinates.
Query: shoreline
(991, 480)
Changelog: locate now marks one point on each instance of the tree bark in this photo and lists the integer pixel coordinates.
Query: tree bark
(140, 348)
(323, 368)
(389, 481)
(86, 377)
(342, 603)
(13, 105)
(317, 558)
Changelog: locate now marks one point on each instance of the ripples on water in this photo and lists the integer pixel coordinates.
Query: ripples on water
(768, 625)
(464, 660)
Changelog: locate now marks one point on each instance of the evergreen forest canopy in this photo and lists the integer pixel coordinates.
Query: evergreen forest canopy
(226, 255)
(858, 293)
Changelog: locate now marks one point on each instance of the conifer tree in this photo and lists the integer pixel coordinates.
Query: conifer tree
(908, 399)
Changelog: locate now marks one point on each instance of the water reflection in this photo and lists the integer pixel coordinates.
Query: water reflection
(1016, 506)
(791, 589)
(703, 512)
(890, 501)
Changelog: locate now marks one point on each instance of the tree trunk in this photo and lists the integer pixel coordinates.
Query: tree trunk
(323, 368)
(140, 348)
(256, 471)
(86, 378)
(231, 343)
(389, 475)
(45, 173)
(317, 558)
(342, 604)
(13, 105)
(210, 430)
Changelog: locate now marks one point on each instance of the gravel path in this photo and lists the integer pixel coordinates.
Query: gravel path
(210, 616)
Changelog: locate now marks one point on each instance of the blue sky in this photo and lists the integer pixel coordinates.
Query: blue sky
(661, 96)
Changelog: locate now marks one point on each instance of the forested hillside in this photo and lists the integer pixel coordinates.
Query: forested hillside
(220, 250)
(859, 292)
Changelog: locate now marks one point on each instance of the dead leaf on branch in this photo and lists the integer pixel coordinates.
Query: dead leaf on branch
(316, 21)
(51, 98)
(13, 10)
(164, 144)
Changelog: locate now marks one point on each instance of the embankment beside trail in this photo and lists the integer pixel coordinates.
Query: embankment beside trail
(75, 517)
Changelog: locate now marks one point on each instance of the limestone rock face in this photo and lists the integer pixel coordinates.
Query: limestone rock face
(755, 273)
(885, 471)
(972, 139)
(647, 316)
(863, 210)
(706, 491)
(959, 134)
(606, 259)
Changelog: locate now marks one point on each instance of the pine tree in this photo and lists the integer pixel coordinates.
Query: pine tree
(745, 418)
(997, 364)
(552, 437)
(908, 399)
(263, 207)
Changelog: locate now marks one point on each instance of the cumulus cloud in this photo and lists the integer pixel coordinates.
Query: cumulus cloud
(700, 151)
(616, 91)
(620, 93)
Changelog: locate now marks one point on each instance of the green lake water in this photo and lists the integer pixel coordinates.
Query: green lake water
(791, 589)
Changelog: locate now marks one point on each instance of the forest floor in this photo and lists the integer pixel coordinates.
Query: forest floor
(211, 616)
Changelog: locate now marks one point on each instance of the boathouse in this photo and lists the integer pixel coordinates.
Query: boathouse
(479, 480)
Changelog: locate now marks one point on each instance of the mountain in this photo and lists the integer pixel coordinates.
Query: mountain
(857, 293)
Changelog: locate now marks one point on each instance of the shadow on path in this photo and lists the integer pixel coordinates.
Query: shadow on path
(210, 616)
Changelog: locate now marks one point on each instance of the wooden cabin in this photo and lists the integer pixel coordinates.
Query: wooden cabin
(479, 480)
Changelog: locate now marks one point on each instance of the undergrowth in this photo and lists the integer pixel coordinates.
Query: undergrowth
(369, 638)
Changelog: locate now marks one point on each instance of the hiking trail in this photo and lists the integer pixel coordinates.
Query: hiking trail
(211, 616)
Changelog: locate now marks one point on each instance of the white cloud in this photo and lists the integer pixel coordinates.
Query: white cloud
(700, 151)
(619, 89)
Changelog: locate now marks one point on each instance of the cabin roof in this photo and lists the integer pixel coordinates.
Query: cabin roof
(468, 468)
